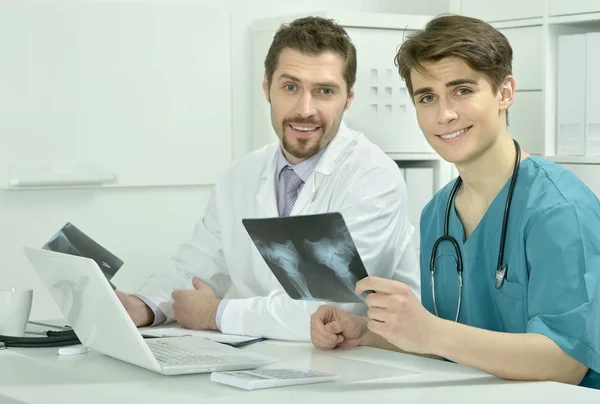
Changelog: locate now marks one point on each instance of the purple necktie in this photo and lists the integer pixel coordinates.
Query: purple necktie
(291, 182)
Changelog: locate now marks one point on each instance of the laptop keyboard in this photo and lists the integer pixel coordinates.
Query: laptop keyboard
(176, 355)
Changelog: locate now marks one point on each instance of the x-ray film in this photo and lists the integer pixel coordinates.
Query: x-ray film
(313, 257)
(71, 240)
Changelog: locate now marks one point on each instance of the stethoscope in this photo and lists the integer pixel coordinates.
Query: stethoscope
(501, 269)
(64, 336)
(61, 337)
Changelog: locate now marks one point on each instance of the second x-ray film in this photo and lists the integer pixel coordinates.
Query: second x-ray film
(71, 240)
(313, 257)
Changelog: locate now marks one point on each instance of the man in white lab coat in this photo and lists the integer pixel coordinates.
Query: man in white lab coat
(319, 165)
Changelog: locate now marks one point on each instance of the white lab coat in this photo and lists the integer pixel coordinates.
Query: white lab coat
(353, 177)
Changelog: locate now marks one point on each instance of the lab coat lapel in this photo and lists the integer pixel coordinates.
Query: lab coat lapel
(266, 197)
(323, 169)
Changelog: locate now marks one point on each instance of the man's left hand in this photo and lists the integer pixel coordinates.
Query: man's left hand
(196, 309)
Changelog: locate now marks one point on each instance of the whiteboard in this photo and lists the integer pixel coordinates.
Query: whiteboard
(113, 94)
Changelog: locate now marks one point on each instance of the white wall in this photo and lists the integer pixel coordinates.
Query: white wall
(143, 226)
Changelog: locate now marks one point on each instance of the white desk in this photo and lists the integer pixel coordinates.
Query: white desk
(41, 376)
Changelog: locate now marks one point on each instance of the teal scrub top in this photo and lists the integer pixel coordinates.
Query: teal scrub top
(553, 255)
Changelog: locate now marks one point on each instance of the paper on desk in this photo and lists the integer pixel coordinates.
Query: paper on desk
(174, 330)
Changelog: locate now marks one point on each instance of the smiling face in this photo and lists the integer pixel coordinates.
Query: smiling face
(458, 111)
(308, 97)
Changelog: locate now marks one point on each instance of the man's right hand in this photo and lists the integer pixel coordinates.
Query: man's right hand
(331, 327)
(139, 311)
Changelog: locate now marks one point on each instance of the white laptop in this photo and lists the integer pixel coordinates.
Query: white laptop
(101, 323)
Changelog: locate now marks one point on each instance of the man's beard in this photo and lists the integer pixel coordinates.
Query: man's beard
(301, 151)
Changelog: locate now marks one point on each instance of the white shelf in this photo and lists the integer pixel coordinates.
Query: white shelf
(528, 22)
(575, 159)
(584, 19)
(349, 19)
(414, 156)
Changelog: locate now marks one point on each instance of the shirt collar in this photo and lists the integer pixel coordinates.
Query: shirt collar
(304, 169)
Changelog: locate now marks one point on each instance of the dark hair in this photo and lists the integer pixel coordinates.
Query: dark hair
(313, 36)
(481, 46)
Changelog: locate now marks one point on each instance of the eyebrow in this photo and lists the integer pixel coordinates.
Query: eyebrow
(288, 77)
(319, 84)
(453, 83)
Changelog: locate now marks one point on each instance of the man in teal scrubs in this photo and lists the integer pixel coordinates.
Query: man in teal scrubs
(536, 316)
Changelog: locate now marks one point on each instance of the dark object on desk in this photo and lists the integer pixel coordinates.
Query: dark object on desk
(243, 343)
(71, 240)
(313, 257)
(52, 339)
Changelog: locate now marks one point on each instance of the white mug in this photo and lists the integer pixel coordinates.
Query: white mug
(15, 307)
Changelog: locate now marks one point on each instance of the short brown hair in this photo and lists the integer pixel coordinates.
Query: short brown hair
(481, 46)
(313, 36)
